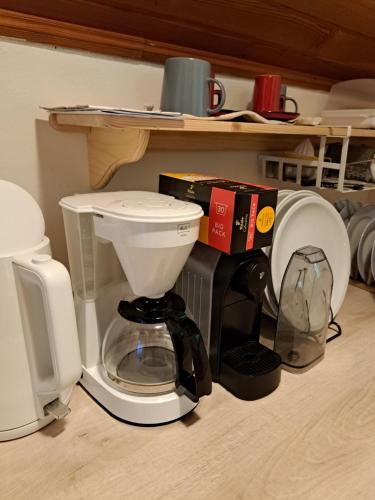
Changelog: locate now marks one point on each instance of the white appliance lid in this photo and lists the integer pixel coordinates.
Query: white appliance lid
(134, 205)
(152, 208)
(21, 220)
(86, 202)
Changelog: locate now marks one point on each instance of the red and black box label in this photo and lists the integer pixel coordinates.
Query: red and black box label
(221, 219)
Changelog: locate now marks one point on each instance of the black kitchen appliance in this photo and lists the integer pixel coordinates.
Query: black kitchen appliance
(223, 294)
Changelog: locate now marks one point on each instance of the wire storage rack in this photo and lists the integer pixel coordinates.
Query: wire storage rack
(317, 172)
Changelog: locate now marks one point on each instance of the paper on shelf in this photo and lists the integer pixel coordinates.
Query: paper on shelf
(250, 116)
(105, 110)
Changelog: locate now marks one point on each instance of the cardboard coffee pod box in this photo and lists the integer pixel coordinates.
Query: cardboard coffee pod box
(238, 216)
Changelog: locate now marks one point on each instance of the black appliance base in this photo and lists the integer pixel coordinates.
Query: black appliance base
(250, 371)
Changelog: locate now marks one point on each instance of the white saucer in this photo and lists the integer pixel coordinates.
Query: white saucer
(313, 221)
(366, 244)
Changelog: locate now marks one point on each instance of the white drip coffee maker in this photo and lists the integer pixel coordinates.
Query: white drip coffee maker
(142, 358)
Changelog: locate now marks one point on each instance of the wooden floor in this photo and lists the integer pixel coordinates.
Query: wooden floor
(313, 438)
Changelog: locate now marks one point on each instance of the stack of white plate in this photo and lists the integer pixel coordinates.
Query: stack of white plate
(305, 218)
(347, 208)
(360, 222)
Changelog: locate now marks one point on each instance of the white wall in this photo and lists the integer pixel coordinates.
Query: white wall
(52, 164)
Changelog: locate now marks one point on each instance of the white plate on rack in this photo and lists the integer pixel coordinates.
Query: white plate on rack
(364, 253)
(288, 201)
(345, 215)
(270, 300)
(283, 206)
(348, 210)
(357, 225)
(313, 221)
(339, 205)
(267, 309)
(283, 193)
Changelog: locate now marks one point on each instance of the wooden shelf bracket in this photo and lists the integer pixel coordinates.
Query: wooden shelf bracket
(110, 149)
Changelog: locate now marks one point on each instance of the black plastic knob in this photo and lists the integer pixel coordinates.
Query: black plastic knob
(251, 279)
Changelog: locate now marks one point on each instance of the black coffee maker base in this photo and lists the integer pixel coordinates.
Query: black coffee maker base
(250, 371)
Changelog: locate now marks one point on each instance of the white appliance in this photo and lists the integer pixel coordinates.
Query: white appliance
(125, 245)
(39, 351)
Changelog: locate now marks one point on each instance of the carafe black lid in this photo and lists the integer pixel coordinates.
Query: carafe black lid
(146, 310)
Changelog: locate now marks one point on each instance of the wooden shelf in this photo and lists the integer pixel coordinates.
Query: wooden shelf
(115, 140)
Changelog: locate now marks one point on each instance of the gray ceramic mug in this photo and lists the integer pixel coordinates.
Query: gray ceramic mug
(187, 87)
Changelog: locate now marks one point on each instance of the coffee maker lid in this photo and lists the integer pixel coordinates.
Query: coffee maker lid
(154, 209)
(139, 206)
(85, 203)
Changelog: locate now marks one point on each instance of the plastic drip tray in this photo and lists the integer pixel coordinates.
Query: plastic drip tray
(250, 371)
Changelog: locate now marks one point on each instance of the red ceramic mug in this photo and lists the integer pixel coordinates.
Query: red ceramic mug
(266, 96)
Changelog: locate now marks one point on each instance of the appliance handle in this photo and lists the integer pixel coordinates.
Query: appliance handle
(39, 271)
(193, 368)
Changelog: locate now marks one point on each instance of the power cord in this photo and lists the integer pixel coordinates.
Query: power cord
(334, 326)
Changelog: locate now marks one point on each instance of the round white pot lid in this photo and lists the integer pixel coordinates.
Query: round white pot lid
(313, 221)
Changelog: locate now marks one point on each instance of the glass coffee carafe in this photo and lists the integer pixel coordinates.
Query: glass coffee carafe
(152, 348)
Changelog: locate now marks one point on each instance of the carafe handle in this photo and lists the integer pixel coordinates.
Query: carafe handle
(46, 298)
(193, 368)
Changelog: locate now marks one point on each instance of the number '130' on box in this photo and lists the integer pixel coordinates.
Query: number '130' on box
(237, 216)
